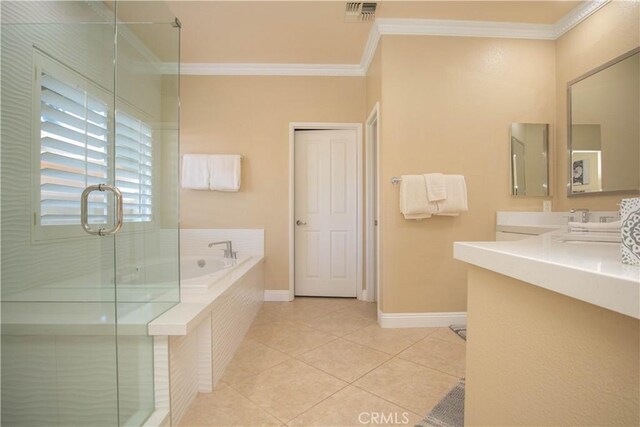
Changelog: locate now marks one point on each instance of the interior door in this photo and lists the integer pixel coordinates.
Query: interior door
(325, 213)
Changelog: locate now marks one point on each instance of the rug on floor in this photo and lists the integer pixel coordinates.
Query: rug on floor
(449, 412)
(461, 330)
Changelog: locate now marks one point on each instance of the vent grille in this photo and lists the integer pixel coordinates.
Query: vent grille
(360, 12)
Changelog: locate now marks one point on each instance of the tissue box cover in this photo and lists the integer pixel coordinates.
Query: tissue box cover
(630, 215)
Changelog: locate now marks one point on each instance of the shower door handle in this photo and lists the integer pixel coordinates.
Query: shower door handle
(84, 214)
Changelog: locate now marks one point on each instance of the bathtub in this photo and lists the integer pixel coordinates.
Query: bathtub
(200, 274)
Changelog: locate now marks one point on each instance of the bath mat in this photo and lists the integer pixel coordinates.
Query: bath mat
(461, 330)
(449, 412)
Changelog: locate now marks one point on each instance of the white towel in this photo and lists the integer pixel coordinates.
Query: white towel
(413, 198)
(195, 171)
(436, 187)
(224, 172)
(456, 200)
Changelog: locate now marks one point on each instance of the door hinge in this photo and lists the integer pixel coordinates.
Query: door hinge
(375, 222)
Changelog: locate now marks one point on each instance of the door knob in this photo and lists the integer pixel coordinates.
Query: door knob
(298, 222)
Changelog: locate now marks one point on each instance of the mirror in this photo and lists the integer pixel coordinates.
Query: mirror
(604, 128)
(529, 159)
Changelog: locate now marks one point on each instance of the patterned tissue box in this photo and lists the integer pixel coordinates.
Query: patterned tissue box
(630, 215)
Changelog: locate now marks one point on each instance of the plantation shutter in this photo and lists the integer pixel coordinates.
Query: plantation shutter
(133, 168)
(73, 152)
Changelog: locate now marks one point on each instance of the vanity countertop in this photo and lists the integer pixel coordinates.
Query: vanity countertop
(588, 271)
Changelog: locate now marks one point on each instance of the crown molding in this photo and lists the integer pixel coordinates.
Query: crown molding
(403, 27)
(219, 69)
(577, 15)
(439, 27)
(370, 48)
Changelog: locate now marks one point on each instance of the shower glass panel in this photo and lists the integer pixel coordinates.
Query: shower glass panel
(86, 99)
(146, 171)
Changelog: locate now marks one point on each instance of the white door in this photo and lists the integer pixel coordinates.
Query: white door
(325, 213)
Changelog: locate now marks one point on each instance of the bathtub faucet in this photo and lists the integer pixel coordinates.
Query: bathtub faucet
(228, 251)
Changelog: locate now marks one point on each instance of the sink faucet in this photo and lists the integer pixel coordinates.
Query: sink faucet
(228, 251)
(585, 214)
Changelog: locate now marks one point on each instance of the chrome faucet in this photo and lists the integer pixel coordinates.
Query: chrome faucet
(228, 251)
(585, 214)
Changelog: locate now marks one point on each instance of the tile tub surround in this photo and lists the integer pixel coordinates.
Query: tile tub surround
(590, 272)
(204, 333)
(326, 376)
(195, 241)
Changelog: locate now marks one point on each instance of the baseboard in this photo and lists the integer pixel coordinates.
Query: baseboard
(271, 295)
(421, 320)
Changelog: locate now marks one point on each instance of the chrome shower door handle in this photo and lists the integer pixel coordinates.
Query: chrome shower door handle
(84, 212)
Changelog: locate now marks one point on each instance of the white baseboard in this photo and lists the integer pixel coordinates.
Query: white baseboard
(271, 295)
(421, 320)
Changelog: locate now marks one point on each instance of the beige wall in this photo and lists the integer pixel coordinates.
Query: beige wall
(610, 32)
(250, 116)
(448, 103)
(535, 357)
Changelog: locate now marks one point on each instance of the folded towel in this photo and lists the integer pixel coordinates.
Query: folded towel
(224, 172)
(436, 187)
(456, 200)
(195, 171)
(413, 198)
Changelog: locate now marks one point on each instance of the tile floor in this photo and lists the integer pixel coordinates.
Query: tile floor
(326, 362)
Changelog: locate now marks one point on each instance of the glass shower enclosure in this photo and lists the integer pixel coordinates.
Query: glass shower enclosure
(89, 208)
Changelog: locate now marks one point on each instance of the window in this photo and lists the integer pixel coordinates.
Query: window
(133, 167)
(76, 146)
(73, 152)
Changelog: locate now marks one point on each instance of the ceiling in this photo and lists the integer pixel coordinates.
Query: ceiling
(315, 32)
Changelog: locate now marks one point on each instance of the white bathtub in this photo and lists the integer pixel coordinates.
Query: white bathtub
(200, 274)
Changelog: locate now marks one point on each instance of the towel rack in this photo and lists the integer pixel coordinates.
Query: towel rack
(395, 180)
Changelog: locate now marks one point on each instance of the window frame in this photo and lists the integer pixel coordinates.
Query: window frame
(59, 71)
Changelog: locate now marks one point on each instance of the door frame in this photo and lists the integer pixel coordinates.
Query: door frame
(293, 126)
(372, 291)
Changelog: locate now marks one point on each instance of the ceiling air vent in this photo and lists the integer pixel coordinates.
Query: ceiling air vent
(360, 12)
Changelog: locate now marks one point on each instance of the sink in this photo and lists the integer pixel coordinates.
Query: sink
(587, 242)
(590, 237)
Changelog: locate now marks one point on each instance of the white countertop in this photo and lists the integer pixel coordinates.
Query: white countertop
(590, 272)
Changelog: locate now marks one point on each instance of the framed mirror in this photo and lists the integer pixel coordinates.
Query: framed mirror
(604, 128)
(529, 159)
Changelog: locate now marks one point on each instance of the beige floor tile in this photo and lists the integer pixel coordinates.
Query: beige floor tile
(340, 323)
(365, 309)
(264, 317)
(352, 406)
(268, 327)
(226, 407)
(445, 356)
(289, 389)
(408, 385)
(447, 334)
(391, 341)
(291, 338)
(251, 358)
(295, 311)
(344, 359)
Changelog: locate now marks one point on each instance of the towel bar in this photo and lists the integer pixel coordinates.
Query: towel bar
(395, 180)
